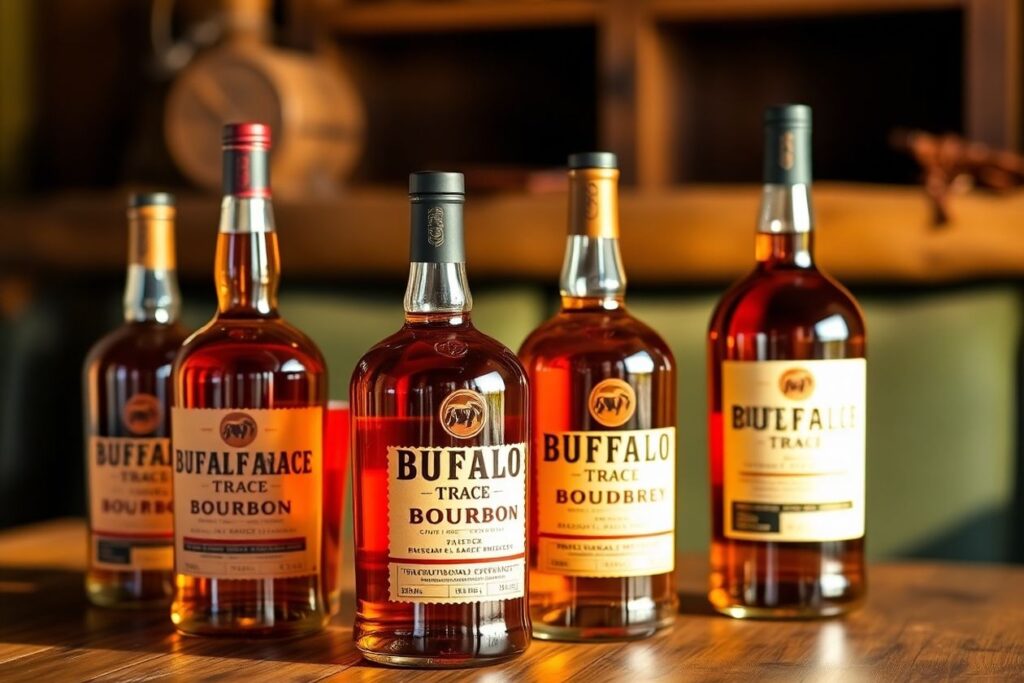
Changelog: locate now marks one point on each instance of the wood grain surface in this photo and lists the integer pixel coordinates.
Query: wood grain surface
(921, 622)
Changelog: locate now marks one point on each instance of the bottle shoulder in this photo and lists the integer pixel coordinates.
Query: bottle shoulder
(459, 354)
(600, 335)
(138, 345)
(783, 299)
(265, 342)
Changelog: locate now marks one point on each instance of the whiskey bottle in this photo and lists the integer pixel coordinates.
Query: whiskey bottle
(602, 504)
(440, 434)
(250, 394)
(127, 383)
(787, 409)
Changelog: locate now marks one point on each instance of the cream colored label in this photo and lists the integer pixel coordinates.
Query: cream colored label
(131, 510)
(457, 523)
(793, 449)
(247, 492)
(606, 503)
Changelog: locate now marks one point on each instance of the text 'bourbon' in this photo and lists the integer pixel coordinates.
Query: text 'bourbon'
(127, 382)
(441, 456)
(250, 393)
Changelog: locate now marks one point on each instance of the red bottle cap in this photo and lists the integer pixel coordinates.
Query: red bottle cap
(247, 135)
(247, 160)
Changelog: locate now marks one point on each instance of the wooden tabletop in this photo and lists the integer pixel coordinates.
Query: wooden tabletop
(922, 621)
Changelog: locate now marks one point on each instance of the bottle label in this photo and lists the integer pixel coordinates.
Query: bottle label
(606, 503)
(457, 523)
(131, 509)
(248, 486)
(793, 449)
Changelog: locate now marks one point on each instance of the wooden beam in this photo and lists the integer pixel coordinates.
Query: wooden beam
(992, 33)
(701, 234)
(659, 117)
(617, 83)
(699, 10)
(406, 16)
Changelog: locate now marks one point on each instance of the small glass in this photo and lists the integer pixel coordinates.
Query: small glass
(336, 446)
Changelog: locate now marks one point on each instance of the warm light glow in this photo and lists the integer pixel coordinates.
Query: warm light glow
(832, 644)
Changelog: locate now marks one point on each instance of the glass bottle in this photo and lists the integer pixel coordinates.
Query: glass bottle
(127, 382)
(602, 532)
(786, 411)
(440, 434)
(250, 393)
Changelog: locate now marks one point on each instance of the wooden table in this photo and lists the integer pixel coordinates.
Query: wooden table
(922, 621)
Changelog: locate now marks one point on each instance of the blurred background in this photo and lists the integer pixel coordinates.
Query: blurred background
(918, 124)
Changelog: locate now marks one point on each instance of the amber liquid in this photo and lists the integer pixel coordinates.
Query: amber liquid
(564, 359)
(396, 392)
(771, 315)
(249, 357)
(135, 358)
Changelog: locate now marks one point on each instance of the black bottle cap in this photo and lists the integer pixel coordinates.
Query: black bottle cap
(593, 160)
(436, 199)
(790, 115)
(787, 144)
(436, 182)
(138, 200)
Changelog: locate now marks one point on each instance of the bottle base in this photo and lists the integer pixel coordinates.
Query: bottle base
(434, 662)
(119, 596)
(249, 628)
(113, 602)
(787, 612)
(593, 634)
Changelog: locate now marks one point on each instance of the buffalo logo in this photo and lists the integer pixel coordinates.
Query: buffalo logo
(464, 413)
(612, 402)
(141, 414)
(238, 430)
(797, 384)
(435, 226)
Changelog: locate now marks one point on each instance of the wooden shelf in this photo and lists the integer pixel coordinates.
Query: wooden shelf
(699, 235)
(405, 16)
(759, 9)
(652, 68)
(396, 16)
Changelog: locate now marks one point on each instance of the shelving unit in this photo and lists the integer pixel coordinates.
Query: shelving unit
(675, 87)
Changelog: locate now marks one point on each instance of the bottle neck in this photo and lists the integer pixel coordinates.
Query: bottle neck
(248, 266)
(438, 290)
(785, 227)
(151, 293)
(592, 273)
(438, 293)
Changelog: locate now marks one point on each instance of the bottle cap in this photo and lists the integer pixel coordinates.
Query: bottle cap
(593, 160)
(249, 135)
(437, 182)
(137, 200)
(436, 199)
(789, 115)
(787, 144)
(246, 160)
